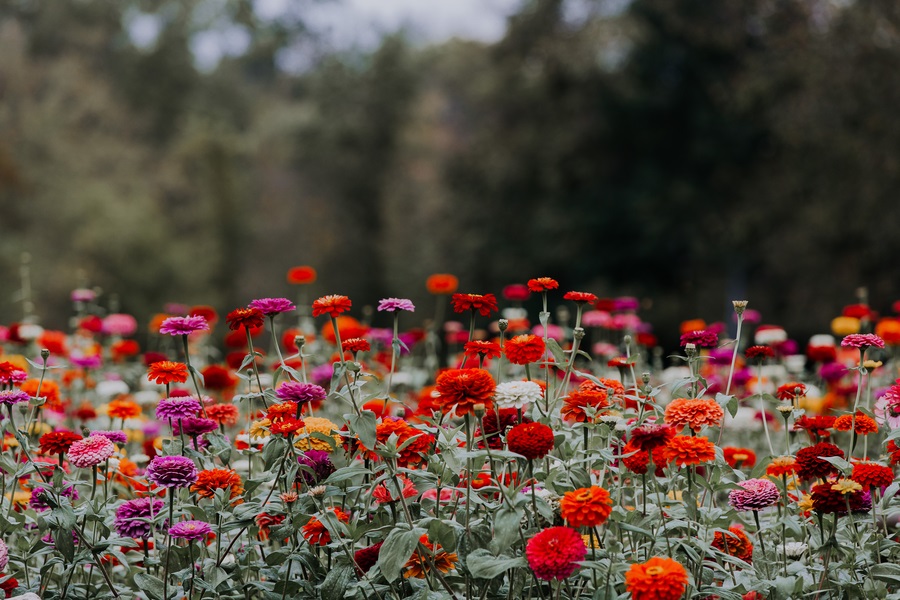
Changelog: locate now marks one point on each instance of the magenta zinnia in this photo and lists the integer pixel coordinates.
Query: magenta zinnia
(183, 325)
(554, 553)
(272, 306)
(190, 530)
(395, 304)
(172, 471)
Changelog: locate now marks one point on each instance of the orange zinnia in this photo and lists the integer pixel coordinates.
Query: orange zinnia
(217, 479)
(782, 465)
(524, 349)
(441, 283)
(331, 305)
(735, 543)
(578, 400)
(685, 450)
(315, 532)
(864, 424)
(123, 408)
(165, 372)
(586, 507)
(417, 565)
(49, 390)
(657, 579)
(696, 413)
(461, 389)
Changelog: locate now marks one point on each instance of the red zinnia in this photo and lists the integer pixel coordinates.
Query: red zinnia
(248, 318)
(57, 442)
(461, 389)
(356, 345)
(791, 390)
(542, 284)
(870, 474)
(332, 305)
(648, 437)
(223, 414)
(477, 348)
(554, 553)
(531, 440)
(441, 283)
(166, 371)
(301, 275)
(578, 400)
(817, 426)
(316, 533)
(745, 457)
(580, 297)
(524, 349)
(810, 466)
(760, 352)
(736, 543)
(484, 304)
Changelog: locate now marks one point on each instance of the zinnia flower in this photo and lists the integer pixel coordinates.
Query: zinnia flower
(272, 306)
(759, 352)
(755, 494)
(482, 348)
(116, 437)
(366, 558)
(524, 349)
(555, 552)
(864, 424)
(418, 566)
(223, 414)
(301, 275)
(210, 480)
(134, 517)
(833, 497)
(862, 341)
(461, 389)
(441, 283)
(395, 304)
(542, 284)
(332, 305)
(10, 397)
(517, 394)
(694, 413)
(165, 372)
(701, 338)
(791, 391)
(494, 424)
(811, 466)
(190, 530)
(531, 440)
(576, 401)
(248, 318)
(300, 393)
(172, 471)
(183, 325)
(817, 426)
(580, 297)
(739, 457)
(123, 409)
(657, 579)
(871, 474)
(90, 452)
(194, 426)
(782, 466)
(386, 491)
(322, 426)
(688, 450)
(57, 442)
(4, 555)
(483, 304)
(319, 462)
(735, 543)
(177, 408)
(315, 532)
(356, 345)
(648, 437)
(586, 507)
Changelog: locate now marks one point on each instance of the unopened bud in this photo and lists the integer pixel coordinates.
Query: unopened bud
(503, 324)
(645, 377)
(478, 410)
(690, 349)
(578, 333)
(299, 341)
(45, 354)
(627, 340)
(739, 306)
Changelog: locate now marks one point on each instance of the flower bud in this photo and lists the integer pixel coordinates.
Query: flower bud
(478, 409)
(578, 333)
(45, 354)
(299, 341)
(739, 306)
(503, 324)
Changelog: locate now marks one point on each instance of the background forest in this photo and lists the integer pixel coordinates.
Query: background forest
(684, 151)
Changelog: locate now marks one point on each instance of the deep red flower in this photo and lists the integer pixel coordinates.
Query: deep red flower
(355, 345)
(760, 352)
(57, 442)
(477, 348)
(542, 284)
(516, 292)
(810, 466)
(791, 390)
(247, 318)
(484, 304)
(580, 297)
(366, 558)
(494, 425)
(648, 437)
(817, 426)
(217, 377)
(828, 500)
(531, 440)
(331, 305)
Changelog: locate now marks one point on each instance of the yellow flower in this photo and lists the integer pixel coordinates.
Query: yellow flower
(811, 405)
(872, 364)
(317, 425)
(805, 504)
(846, 486)
(39, 428)
(845, 325)
(260, 429)
(20, 497)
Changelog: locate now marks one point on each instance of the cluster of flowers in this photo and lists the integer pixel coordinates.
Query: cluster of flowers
(345, 460)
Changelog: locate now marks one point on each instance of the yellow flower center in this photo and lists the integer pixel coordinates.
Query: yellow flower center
(655, 570)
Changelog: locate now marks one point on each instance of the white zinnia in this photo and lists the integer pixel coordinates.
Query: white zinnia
(795, 549)
(516, 394)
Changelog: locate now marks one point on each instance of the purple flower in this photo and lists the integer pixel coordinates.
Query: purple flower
(194, 426)
(183, 325)
(87, 362)
(319, 462)
(395, 304)
(295, 391)
(39, 496)
(273, 306)
(119, 324)
(134, 517)
(11, 397)
(626, 303)
(190, 530)
(755, 494)
(116, 437)
(321, 373)
(172, 471)
(177, 408)
(862, 341)
(832, 372)
(702, 338)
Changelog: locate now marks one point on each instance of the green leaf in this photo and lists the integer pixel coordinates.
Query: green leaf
(346, 474)
(839, 463)
(398, 547)
(149, 584)
(484, 565)
(273, 450)
(507, 524)
(363, 425)
(336, 582)
(62, 539)
(888, 572)
(558, 355)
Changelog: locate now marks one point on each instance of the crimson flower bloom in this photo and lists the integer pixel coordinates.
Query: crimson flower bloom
(580, 297)
(332, 305)
(249, 318)
(484, 304)
(542, 284)
(483, 348)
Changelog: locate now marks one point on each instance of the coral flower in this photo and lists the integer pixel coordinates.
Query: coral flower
(287, 426)
(871, 474)
(123, 409)
(461, 389)
(441, 283)
(57, 442)
(183, 325)
(166, 371)
(217, 479)
(386, 491)
(791, 391)
(864, 424)
(418, 566)
(555, 552)
(735, 543)
(482, 348)
(315, 532)
(657, 579)
(223, 414)
(696, 413)
(739, 457)
(531, 440)
(356, 345)
(483, 304)
(542, 284)
(580, 297)
(586, 507)
(577, 401)
(249, 318)
(754, 494)
(782, 466)
(332, 305)
(685, 450)
(811, 466)
(524, 349)
(420, 442)
(302, 275)
(90, 452)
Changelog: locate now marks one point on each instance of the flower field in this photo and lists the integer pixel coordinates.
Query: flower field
(292, 449)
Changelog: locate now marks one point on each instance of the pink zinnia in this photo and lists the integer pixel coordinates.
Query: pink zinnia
(183, 325)
(90, 451)
(4, 555)
(272, 306)
(755, 494)
(395, 304)
(554, 553)
(862, 341)
(702, 338)
(119, 324)
(190, 530)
